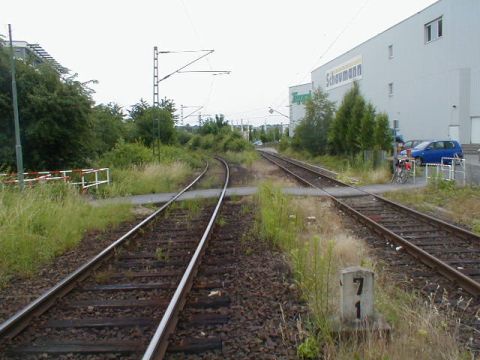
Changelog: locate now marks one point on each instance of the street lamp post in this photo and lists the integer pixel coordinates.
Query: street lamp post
(18, 144)
(271, 111)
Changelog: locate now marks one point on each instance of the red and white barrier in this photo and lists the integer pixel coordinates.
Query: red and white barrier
(85, 178)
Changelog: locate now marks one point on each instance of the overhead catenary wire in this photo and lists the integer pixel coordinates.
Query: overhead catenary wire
(325, 52)
(199, 39)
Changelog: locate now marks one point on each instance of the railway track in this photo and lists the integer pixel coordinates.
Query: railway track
(423, 253)
(447, 249)
(125, 302)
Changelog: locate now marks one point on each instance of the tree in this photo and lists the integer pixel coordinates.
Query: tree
(367, 128)
(54, 116)
(383, 134)
(138, 109)
(312, 132)
(354, 125)
(338, 131)
(213, 126)
(108, 126)
(169, 105)
(144, 126)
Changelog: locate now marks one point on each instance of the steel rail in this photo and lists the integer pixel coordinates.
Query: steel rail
(452, 228)
(15, 324)
(466, 282)
(159, 343)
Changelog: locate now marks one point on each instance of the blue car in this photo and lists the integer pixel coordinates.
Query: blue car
(433, 151)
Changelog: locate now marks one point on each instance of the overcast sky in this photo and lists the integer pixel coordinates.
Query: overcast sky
(268, 45)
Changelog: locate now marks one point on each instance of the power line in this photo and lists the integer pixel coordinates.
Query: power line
(345, 28)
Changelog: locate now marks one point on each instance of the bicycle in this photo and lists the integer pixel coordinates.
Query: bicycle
(402, 171)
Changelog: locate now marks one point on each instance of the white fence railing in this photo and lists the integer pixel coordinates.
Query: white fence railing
(450, 169)
(84, 178)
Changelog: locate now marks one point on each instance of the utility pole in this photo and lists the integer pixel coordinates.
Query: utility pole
(181, 115)
(18, 144)
(156, 103)
(156, 80)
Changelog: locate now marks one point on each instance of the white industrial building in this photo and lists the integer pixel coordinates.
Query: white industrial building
(298, 95)
(423, 72)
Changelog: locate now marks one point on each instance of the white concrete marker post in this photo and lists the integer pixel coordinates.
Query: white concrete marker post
(356, 294)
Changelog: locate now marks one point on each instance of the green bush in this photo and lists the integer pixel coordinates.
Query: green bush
(236, 145)
(127, 154)
(183, 137)
(208, 141)
(195, 142)
(285, 143)
(225, 140)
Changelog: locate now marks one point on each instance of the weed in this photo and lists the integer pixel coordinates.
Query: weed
(161, 254)
(103, 276)
(43, 222)
(308, 349)
(221, 221)
(248, 251)
(245, 209)
(317, 253)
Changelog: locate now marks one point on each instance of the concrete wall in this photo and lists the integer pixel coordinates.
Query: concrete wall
(435, 85)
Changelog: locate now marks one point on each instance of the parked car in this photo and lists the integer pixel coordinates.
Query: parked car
(258, 143)
(433, 151)
(410, 144)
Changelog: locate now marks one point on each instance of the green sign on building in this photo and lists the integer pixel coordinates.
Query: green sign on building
(301, 98)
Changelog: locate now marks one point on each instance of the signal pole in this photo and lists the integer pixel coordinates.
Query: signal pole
(18, 144)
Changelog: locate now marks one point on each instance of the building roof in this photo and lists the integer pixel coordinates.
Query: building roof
(38, 52)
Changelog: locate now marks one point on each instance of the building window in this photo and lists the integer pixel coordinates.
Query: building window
(390, 51)
(390, 89)
(434, 30)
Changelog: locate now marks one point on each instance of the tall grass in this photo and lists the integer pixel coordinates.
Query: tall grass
(354, 171)
(135, 170)
(313, 237)
(246, 157)
(146, 179)
(43, 222)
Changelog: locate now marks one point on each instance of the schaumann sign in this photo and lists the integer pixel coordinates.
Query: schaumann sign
(344, 74)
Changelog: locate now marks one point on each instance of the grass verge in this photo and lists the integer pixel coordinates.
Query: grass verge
(147, 179)
(458, 204)
(45, 221)
(354, 171)
(135, 170)
(246, 157)
(312, 236)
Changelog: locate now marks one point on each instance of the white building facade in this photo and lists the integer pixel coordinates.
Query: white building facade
(298, 95)
(423, 72)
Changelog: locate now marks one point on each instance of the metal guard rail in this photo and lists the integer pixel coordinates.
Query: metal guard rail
(19, 321)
